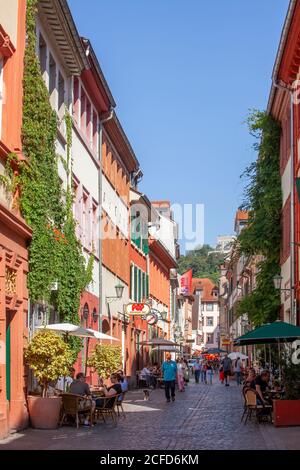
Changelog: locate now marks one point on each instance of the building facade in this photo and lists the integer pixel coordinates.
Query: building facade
(284, 107)
(206, 314)
(14, 233)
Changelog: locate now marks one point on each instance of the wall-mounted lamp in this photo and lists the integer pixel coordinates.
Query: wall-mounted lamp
(277, 279)
(95, 315)
(85, 312)
(119, 293)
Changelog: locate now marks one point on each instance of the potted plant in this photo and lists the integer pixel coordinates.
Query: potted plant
(287, 410)
(105, 359)
(49, 357)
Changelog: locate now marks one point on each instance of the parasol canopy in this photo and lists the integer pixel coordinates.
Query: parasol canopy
(99, 335)
(166, 349)
(158, 342)
(276, 332)
(69, 329)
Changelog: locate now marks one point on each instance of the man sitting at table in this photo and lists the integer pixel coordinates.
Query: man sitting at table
(80, 387)
(113, 390)
(261, 385)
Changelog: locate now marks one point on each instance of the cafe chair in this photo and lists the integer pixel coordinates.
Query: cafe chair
(108, 408)
(76, 405)
(119, 405)
(252, 406)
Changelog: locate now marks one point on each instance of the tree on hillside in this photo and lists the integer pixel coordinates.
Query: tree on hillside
(203, 261)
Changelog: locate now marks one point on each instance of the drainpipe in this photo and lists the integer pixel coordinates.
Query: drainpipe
(100, 128)
(292, 233)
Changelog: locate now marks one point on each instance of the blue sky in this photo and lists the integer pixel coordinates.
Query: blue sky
(184, 75)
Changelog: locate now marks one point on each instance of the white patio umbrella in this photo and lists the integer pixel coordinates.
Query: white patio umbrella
(99, 335)
(235, 355)
(69, 329)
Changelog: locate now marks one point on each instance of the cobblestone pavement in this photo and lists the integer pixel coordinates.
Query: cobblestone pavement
(203, 417)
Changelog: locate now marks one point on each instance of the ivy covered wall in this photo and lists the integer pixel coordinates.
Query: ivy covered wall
(263, 201)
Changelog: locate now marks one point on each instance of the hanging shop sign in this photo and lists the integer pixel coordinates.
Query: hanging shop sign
(151, 318)
(141, 309)
(226, 342)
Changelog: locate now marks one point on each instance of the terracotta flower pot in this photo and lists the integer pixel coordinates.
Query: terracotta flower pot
(44, 412)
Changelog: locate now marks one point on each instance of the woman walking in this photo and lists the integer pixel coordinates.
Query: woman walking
(210, 373)
(180, 375)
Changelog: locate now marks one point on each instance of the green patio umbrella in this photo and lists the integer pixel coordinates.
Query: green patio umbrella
(276, 332)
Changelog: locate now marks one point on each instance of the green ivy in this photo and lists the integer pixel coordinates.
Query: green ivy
(55, 254)
(263, 201)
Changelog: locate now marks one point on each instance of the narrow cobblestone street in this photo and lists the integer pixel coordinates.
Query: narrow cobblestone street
(204, 417)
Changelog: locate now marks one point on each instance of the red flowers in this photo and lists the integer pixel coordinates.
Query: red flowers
(58, 235)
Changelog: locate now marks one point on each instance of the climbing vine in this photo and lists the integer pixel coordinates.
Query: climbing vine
(55, 254)
(263, 200)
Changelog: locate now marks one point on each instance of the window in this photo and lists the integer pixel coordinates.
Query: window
(76, 103)
(52, 81)
(209, 307)
(140, 286)
(139, 289)
(83, 111)
(209, 321)
(95, 131)
(42, 54)
(61, 94)
(209, 338)
(135, 291)
(95, 244)
(89, 122)
(131, 281)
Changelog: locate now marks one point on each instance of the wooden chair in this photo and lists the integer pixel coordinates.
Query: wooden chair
(108, 408)
(251, 404)
(119, 405)
(71, 407)
(245, 388)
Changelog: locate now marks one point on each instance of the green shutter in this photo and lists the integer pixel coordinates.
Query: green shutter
(143, 286)
(147, 286)
(135, 283)
(131, 281)
(140, 286)
(145, 246)
(138, 235)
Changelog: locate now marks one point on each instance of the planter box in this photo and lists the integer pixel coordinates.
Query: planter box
(286, 412)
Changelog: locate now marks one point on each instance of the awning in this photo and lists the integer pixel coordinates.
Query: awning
(278, 331)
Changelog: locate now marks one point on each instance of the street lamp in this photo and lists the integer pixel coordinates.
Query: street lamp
(85, 312)
(119, 293)
(277, 279)
(95, 315)
(163, 315)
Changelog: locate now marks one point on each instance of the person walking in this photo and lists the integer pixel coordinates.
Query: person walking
(203, 372)
(227, 367)
(180, 376)
(209, 373)
(238, 370)
(221, 374)
(197, 369)
(169, 370)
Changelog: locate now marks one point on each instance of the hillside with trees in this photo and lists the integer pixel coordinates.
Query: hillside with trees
(203, 261)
